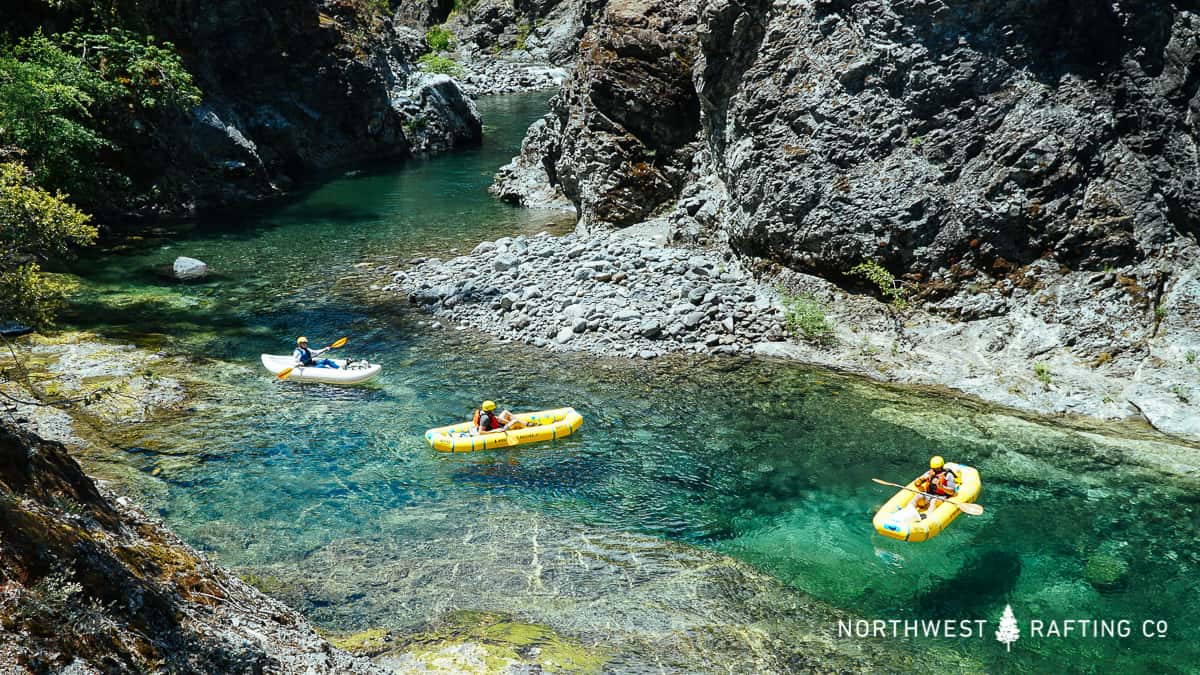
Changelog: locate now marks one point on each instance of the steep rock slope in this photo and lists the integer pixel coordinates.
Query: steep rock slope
(619, 139)
(929, 134)
(89, 584)
(1028, 168)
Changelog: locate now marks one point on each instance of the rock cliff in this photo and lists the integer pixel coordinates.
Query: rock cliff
(291, 89)
(1028, 168)
(90, 584)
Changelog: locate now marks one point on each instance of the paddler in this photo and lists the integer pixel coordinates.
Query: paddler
(938, 481)
(304, 356)
(487, 420)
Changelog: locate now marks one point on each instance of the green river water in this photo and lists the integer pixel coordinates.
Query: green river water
(626, 534)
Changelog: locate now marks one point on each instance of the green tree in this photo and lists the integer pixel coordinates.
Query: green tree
(34, 225)
(45, 98)
(66, 100)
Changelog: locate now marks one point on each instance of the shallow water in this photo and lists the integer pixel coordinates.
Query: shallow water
(334, 494)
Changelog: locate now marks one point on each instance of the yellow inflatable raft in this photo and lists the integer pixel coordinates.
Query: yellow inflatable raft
(899, 519)
(543, 425)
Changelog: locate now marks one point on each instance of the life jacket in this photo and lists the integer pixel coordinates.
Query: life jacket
(944, 483)
(306, 358)
(492, 423)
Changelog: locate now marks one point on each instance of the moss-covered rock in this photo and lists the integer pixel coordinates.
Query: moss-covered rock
(486, 642)
(367, 643)
(1106, 572)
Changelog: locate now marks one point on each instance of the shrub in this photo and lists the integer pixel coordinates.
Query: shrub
(34, 225)
(523, 30)
(883, 279)
(805, 317)
(1043, 374)
(444, 65)
(64, 99)
(439, 38)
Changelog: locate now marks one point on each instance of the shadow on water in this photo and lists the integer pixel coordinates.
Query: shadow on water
(987, 578)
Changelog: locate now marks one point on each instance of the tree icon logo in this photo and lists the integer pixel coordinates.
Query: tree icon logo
(1008, 632)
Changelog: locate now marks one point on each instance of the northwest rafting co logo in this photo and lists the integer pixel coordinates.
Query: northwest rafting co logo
(1006, 631)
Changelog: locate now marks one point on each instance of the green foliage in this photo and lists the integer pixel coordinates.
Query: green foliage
(34, 224)
(1043, 374)
(46, 96)
(135, 68)
(805, 317)
(444, 65)
(883, 279)
(1160, 311)
(64, 100)
(1190, 356)
(439, 38)
(1180, 393)
(415, 126)
(523, 29)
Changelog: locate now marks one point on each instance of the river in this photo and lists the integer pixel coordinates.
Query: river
(628, 534)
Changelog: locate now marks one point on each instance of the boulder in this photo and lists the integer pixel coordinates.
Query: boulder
(504, 261)
(189, 269)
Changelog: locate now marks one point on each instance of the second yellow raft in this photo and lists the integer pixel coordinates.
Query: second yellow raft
(899, 519)
(542, 425)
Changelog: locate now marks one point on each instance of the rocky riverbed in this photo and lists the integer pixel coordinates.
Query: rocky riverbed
(517, 72)
(622, 293)
(631, 293)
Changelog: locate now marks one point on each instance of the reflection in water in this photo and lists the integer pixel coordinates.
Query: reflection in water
(612, 533)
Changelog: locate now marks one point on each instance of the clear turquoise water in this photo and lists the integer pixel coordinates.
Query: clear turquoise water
(768, 463)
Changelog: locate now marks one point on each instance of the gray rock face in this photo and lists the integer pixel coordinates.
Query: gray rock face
(291, 88)
(189, 269)
(439, 115)
(1026, 168)
(984, 137)
(830, 133)
(616, 142)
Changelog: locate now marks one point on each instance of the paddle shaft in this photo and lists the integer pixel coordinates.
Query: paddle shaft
(967, 508)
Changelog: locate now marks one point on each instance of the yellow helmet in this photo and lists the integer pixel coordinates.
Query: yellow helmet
(489, 405)
(301, 340)
(936, 462)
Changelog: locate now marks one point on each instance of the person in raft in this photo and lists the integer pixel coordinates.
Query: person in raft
(304, 356)
(487, 420)
(938, 481)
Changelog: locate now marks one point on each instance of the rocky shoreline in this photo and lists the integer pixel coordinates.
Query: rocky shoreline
(622, 293)
(512, 74)
(631, 293)
(93, 584)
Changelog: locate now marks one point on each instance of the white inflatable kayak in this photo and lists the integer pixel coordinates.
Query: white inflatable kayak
(354, 373)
